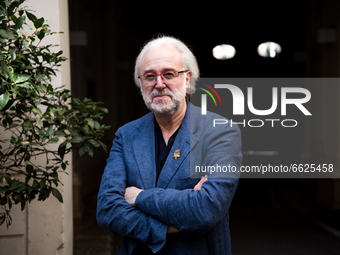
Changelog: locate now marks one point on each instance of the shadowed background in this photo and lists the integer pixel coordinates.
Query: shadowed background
(106, 37)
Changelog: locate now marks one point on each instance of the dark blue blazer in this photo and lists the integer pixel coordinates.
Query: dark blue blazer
(201, 216)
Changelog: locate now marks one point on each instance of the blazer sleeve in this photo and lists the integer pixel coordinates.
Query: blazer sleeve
(115, 214)
(199, 210)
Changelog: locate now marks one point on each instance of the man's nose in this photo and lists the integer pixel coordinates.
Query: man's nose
(159, 82)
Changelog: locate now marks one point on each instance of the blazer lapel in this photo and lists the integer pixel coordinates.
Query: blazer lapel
(182, 143)
(144, 149)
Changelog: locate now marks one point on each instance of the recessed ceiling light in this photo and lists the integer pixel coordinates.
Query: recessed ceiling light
(224, 51)
(269, 49)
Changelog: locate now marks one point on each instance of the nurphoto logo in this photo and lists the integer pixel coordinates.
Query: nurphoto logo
(238, 105)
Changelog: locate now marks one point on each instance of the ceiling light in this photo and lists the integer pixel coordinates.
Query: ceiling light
(224, 51)
(269, 49)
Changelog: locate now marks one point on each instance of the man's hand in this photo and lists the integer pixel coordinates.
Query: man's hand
(199, 185)
(131, 194)
(172, 230)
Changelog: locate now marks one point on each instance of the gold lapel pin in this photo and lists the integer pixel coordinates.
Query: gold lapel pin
(176, 154)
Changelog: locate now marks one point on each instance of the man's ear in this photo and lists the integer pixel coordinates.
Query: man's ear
(188, 77)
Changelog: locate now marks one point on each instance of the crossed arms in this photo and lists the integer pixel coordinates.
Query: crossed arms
(131, 194)
(197, 210)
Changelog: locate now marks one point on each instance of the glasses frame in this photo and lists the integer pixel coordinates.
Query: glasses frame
(141, 77)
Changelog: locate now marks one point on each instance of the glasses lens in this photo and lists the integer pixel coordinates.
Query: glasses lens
(149, 77)
(169, 75)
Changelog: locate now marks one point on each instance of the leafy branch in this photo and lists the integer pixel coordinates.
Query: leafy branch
(35, 115)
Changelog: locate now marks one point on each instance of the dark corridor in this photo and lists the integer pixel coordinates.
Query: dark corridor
(267, 216)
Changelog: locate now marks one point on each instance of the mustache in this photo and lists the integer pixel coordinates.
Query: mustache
(166, 92)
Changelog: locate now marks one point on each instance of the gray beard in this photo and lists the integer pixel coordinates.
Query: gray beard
(161, 107)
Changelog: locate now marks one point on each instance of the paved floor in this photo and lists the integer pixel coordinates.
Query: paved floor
(261, 225)
(90, 238)
(260, 221)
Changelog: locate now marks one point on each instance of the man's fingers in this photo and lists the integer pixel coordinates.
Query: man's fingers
(172, 230)
(131, 194)
(199, 184)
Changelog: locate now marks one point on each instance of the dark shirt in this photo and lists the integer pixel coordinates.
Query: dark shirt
(161, 149)
(161, 153)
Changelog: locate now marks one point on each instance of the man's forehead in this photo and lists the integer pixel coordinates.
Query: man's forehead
(166, 58)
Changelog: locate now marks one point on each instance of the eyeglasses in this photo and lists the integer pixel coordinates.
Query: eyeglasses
(168, 75)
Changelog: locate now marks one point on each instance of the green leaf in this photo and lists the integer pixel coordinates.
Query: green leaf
(14, 185)
(39, 77)
(22, 78)
(9, 203)
(12, 52)
(27, 125)
(2, 8)
(94, 143)
(42, 183)
(44, 193)
(96, 125)
(22, 67)
(89, 149)
(29, 169)
(10, 34)
(13, 140)
(22, 187)
(39, 122)
(82, 151)
(20, 21)
(8, 105)
(63, 166)
(26, 85)
(36, 184)
(103, 109)
(39, 22)
(23, 203)
(86, 137)
(62, 149)
(59, 133)
(31, 16)
(3, 68)
(54, 140)
(3, 34)
(50, 131)
(11, 74)
(89, 122)
(4, 97)
(103, 145)
(8, 179)
(37, 110)
(11, 8)
(41, 34)
(57, 194)
(54, 175)
(76, 139)
(2, 219)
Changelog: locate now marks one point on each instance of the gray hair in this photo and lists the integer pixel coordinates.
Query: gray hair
(188, 57)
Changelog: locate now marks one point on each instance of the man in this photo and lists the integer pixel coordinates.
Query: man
(146, 193)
